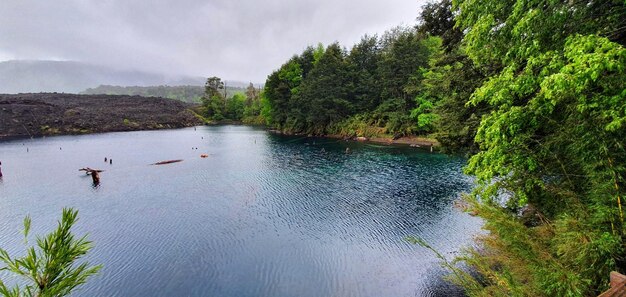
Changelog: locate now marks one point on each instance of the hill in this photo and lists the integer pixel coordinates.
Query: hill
(41, 114)
(190, 94)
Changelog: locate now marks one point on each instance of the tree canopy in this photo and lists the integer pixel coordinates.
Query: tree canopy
(532, 90)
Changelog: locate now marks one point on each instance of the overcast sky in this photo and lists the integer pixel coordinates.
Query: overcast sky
(236, 40)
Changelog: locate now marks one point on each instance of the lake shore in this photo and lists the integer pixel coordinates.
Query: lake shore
(49, 114)
(412, 141)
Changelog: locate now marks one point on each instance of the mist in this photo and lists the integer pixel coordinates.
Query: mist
(237, 40)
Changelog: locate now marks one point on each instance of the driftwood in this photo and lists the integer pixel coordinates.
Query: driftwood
(95, 174)
(90, 170)
(167, 162)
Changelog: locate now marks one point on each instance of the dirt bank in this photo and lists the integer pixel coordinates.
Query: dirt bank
(413, 141)
(41, 114)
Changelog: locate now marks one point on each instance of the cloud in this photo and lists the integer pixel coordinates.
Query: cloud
(239, 40)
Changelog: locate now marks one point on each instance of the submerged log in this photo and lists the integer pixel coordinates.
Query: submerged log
(167, 162)
(95, 174)
(90, 170)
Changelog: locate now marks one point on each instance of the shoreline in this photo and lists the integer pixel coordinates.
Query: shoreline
(412, 141)
(8, 137)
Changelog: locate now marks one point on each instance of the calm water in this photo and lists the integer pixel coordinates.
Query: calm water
(263, 215)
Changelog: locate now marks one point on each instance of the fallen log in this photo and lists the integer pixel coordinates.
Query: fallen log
(89, 170)
(167, 162)
(95, 174)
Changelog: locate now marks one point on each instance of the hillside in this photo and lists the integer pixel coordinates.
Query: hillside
(53, 113)
(190, 94)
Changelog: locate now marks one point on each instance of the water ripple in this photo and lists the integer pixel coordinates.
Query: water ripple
(264, 215)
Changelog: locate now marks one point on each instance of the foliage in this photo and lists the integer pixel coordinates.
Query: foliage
(190, 94)
(235, 107)
(218, 106)
(50, 269)
(356, 126)
(375, 82)
(213, 100)
(550, 173)
(325, 91)
(437, 19)
(445, 89)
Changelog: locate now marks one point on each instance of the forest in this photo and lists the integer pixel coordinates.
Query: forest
(218, 106)
(189, 94)
(532, 91)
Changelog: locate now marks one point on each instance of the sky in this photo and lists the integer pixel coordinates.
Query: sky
(234, 39)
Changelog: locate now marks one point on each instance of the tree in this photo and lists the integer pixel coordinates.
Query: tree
(324, 94)
(213, 100)
(401, 61)
(400, 73)
(252, 109)
(50, 268)
(363, 62)
(437, 19)
(235, 107)
(252, 95)
(550, 173)
(281, 88)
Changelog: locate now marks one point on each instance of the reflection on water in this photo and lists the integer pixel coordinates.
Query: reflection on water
(262, 215)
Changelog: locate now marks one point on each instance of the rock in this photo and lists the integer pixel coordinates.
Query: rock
(361, 138)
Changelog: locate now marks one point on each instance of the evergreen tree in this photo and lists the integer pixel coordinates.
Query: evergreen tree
(213, 100)
(363, 62)
(324, 92)
(50, 270)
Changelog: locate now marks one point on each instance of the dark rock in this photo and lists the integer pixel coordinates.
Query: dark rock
(57, 113)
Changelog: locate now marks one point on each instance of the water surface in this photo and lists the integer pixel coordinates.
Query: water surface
(263, 215)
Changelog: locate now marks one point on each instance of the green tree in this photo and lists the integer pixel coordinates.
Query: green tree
(50, 269)
(400, 73)
(235, 107)
(280, 89)
(363, 62)
(213, 100)
(550, 173)
(437, 19)
(252, 95)
(252, 109)
(324, 94)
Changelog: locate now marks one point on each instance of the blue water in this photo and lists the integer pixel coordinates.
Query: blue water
(263, 215)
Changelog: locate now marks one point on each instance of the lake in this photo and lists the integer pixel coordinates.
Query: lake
(263, 215)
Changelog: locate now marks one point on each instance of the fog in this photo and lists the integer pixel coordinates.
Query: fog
(237, 40)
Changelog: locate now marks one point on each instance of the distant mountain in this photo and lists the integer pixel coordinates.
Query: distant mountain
(21, 76)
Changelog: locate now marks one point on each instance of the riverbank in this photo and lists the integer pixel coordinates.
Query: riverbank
(413, 141)
(45, 114)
